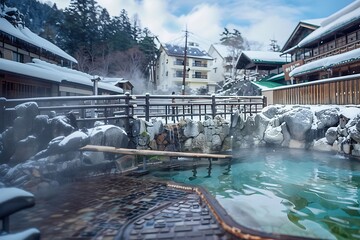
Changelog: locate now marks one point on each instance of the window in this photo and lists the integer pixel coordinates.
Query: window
(341, 41)
(179, 61)
(17, 57)
(214, 70)
(351, 37)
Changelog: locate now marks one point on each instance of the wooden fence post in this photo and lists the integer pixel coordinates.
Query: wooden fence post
(264, 100)
(213, 105)
(127, 112)
(2, 113)
(147, 107)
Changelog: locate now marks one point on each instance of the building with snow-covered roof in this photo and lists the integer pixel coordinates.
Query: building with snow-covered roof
(223, 62)
(31, 66)
(266, 61)
(331, 50)
(170, 67)
(303, 29)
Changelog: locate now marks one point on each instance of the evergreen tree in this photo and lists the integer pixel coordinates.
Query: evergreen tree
(235, 44)
(274, 46)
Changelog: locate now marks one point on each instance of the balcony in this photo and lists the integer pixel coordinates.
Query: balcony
(345, 48)
(199, 64)
(199, 76)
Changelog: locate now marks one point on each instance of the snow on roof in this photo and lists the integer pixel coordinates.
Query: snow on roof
(222, 50)
(315, 22)
(267, 56)
(332, 23)
(192, 51)
(51, 72)
(328, 62)
(26, 35)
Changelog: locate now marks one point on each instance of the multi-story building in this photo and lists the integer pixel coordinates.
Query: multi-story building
(170, 68)
(31, 66)
(332, 50)
(223, 64)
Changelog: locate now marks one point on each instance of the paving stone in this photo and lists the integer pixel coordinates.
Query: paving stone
(185, 206)
(205, 222)
(206, 217)
(165, 235)
(174, 220)
(183, 228)
(149, 217)
(149, 231)
(165, 230)
(150, 236)
(138, 222)
(194, 234)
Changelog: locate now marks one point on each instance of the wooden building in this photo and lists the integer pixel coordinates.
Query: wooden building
(331, 50)
(31, 66)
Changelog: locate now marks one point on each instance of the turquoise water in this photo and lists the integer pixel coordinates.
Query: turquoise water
(291, 192)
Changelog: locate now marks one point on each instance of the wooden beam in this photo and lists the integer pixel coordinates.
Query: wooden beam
(127, 151)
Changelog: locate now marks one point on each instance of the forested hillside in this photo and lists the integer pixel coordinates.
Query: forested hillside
(103, 45)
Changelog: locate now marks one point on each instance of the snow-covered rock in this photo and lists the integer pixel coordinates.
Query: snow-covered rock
(299, 121)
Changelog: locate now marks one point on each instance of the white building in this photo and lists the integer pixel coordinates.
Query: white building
(170, 68)
(223, 63)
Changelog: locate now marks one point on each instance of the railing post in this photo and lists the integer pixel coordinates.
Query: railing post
(2, 114)
(147, 107)
(127, 112)
(213, 105)
(264, 100)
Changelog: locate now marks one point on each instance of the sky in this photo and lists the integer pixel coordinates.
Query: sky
(257, 20)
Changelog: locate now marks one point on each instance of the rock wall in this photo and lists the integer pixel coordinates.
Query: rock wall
(210, 135)
(322, 128)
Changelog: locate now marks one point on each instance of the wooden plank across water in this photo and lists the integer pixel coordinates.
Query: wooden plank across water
(128, 151)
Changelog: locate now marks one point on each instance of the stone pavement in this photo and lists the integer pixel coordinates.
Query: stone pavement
(119, 207)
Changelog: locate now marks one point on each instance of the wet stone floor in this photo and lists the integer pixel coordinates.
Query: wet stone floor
(119, 207)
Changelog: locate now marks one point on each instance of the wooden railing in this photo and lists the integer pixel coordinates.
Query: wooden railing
(338, 91)
(120, 109)
(345, 48)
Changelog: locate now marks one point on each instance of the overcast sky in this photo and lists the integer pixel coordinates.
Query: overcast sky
(257, 20)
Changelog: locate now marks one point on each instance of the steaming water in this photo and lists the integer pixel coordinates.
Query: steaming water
(291, 192)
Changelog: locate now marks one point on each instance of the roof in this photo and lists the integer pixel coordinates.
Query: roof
(222, 50)
(326, 63)
(28, 36)
(192, 51)
(265, 59)
(333, 23)
(53, 73)
(267, 85)
(273, 77)
(304, 28)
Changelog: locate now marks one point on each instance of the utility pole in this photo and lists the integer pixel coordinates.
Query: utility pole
(184, 70)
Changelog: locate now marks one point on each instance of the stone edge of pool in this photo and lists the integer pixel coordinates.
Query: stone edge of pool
(225, 220)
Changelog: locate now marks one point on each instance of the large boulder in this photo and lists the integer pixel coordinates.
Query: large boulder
(60, 126)
(74, 141)
(273, 135)
(299, 121)
(192, 128)
(28, 110)
(108, 135)
(331, 135)
(25, 149)
(327, 117)
(322, 145)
